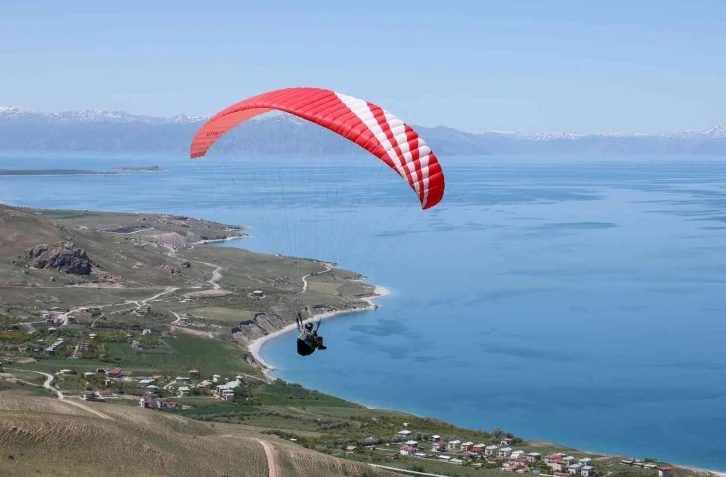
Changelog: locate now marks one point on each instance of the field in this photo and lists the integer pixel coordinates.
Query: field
(185, 352)
(46, 437)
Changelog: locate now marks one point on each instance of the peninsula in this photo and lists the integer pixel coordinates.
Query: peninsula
(129, 347)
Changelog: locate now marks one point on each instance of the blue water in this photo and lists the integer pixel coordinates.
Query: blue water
(579, 300)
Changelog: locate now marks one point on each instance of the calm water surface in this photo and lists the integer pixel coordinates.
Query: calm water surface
(579, 300)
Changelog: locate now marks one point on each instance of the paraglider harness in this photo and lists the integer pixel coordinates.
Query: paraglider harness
(304, 347)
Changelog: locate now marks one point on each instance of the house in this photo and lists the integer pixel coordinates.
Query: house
(350, 449)
(105, 392)
(456, 461)
(160, 404)
(152, 388)
(411, 443)
(517, 454)
(467, 446)
(228, 395)
(258, 294)
(585, 461)
(194, 372)
(534, 456)
(438, 446)
(216, 378)
(115, 373)
(479, 448)
(172, 404)
(454, 445)
(183, 391)
(505, 452)
(91, 396)
(445, 458)
(420, 455)
(557, 465)
(93, 336)
(166, 334)
(491, 450)
(507, 441)
(569, 460)
(143, 310)
(404, 433)
(182, 380)
(145, 382)
(587, 471)
(145, 401)
(574, 468)
(146, 331)
(10, 357)
(435, 438)
(227, 387)
(664, 471)
(407, 450)
(391, 454)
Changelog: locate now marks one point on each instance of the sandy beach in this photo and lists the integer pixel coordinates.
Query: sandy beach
(256, 345)
(234, 237)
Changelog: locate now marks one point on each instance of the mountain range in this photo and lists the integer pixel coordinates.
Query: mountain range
(116, 131)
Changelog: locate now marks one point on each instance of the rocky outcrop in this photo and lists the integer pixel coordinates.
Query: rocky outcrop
(64, 257)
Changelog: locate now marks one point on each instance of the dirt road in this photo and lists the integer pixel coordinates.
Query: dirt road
(272, 462)
(47, 385)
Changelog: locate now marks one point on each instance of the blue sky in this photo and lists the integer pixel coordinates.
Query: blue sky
(557, 65)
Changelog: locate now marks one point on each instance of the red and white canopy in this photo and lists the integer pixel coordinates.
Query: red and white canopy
(370, 126)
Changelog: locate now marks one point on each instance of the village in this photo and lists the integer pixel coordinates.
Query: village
(504, 457)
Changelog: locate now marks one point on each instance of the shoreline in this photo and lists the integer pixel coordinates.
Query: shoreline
(228, 239)
(255, 346)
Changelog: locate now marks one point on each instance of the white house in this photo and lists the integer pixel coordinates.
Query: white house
(411, 443)
(587, 471)
(145, 382)
(182, 380)
(147, 331)
(435, 438)
(454, 445)
(438, 446)
(517, 454)
(227, 387)
(184, 391)
(505, 452)
(534, 456)
(491, 450)
(408, 450)
(216, 378)
(404, 433)
(569, 460)
(507, 441)
(574, 468)
(585, 461)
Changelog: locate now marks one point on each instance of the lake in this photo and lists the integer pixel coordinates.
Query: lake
(579, 300)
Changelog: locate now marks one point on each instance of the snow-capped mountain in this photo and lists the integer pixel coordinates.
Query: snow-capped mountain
(98, 130)
(91, 116)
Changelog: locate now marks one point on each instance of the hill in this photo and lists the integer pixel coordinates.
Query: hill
(284, 134)
(47, 437)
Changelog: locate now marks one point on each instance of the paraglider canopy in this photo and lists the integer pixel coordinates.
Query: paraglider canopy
(362, 122)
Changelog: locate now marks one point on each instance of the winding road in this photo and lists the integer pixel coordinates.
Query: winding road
(47, 385)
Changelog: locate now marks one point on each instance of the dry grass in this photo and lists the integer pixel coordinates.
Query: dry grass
(44, 437)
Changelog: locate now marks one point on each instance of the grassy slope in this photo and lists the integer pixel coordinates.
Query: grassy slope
(46, 437)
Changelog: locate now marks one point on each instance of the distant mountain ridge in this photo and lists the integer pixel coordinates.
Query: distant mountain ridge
(118, 131)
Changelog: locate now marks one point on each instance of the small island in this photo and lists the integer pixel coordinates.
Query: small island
(138, 169)
(54, 172)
